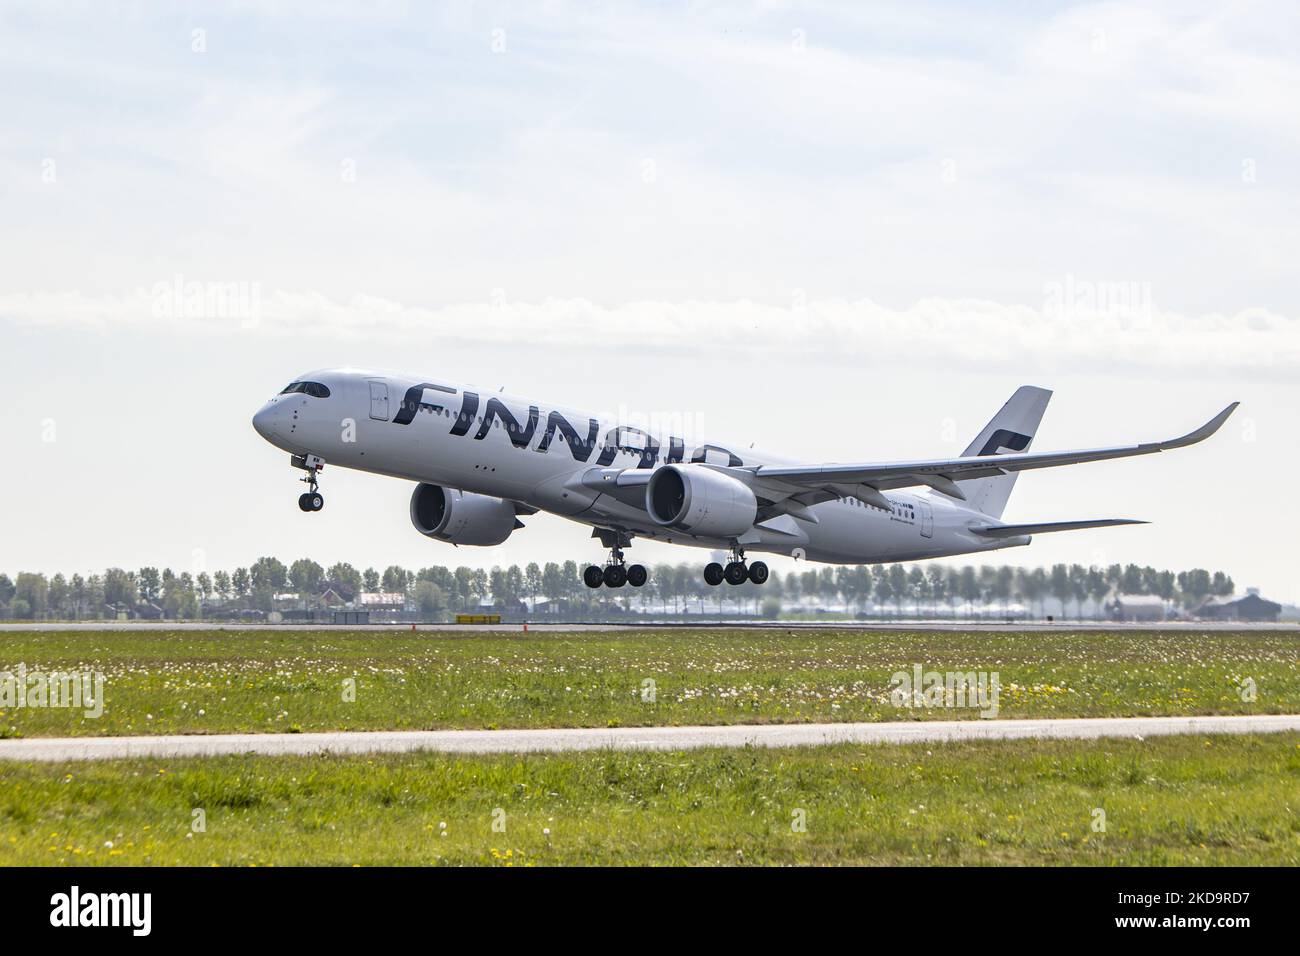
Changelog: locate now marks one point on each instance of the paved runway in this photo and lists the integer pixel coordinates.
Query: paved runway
(633, 738)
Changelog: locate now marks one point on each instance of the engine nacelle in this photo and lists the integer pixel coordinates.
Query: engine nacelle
(700, 501)
(461, 517)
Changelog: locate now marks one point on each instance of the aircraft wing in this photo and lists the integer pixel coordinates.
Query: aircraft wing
(942, 474)
(1016, 530)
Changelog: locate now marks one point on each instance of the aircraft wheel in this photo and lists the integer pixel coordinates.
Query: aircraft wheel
(713, 574)
(637, 575)
(593, 577)
(615, 576)
(304, 504)
(758, 572)
(315, 501)
(735, 573)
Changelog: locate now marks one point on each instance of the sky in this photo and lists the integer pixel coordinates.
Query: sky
(705, 213)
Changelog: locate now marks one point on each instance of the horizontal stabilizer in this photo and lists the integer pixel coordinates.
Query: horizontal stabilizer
(1016, 530)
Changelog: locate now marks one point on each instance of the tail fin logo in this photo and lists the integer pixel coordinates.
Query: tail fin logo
(1003, 440)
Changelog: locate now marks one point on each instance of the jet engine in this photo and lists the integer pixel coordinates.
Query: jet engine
(460, 517)
(700, 501)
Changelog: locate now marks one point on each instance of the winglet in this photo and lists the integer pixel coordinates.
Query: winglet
(1202, 433)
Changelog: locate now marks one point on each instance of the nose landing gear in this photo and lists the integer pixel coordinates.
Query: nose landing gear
(616, 572)
(311, 500)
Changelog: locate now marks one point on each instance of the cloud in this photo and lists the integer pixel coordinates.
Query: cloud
(618, 153)
(1080, 325)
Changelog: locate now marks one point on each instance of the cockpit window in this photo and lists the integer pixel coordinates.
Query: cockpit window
(314, 389)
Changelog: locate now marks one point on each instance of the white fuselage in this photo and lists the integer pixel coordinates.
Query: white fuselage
(550, 458)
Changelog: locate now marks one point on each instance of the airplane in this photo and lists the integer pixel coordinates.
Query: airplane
(482, 460)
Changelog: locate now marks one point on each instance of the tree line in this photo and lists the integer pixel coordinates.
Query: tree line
(679, 588)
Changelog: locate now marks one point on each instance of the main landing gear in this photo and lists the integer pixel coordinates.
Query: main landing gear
(311, 500)
(736, 572)
(615, 573)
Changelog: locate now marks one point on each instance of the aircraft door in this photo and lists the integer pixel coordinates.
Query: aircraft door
(379, 401)
(927, 519)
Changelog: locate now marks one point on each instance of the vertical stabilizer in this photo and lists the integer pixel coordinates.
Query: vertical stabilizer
(1011, 430)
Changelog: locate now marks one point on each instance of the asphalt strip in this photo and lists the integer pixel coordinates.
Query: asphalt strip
(633, 738)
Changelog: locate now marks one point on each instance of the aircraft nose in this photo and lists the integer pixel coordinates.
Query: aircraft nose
(264, 421)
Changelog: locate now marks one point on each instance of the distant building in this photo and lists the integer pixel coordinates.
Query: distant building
(331, 598)
(1239, 607)
(1137, 607)
(488, 606)
(351, 617)
(382, 601)
(548, 606)
(288, 601)
(147, 611)
(117, 612)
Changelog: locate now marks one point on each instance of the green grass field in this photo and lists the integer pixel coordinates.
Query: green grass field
(194, 682)
(1170, 800)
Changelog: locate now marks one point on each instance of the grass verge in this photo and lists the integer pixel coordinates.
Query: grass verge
(239, 681)
(1230, 800)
